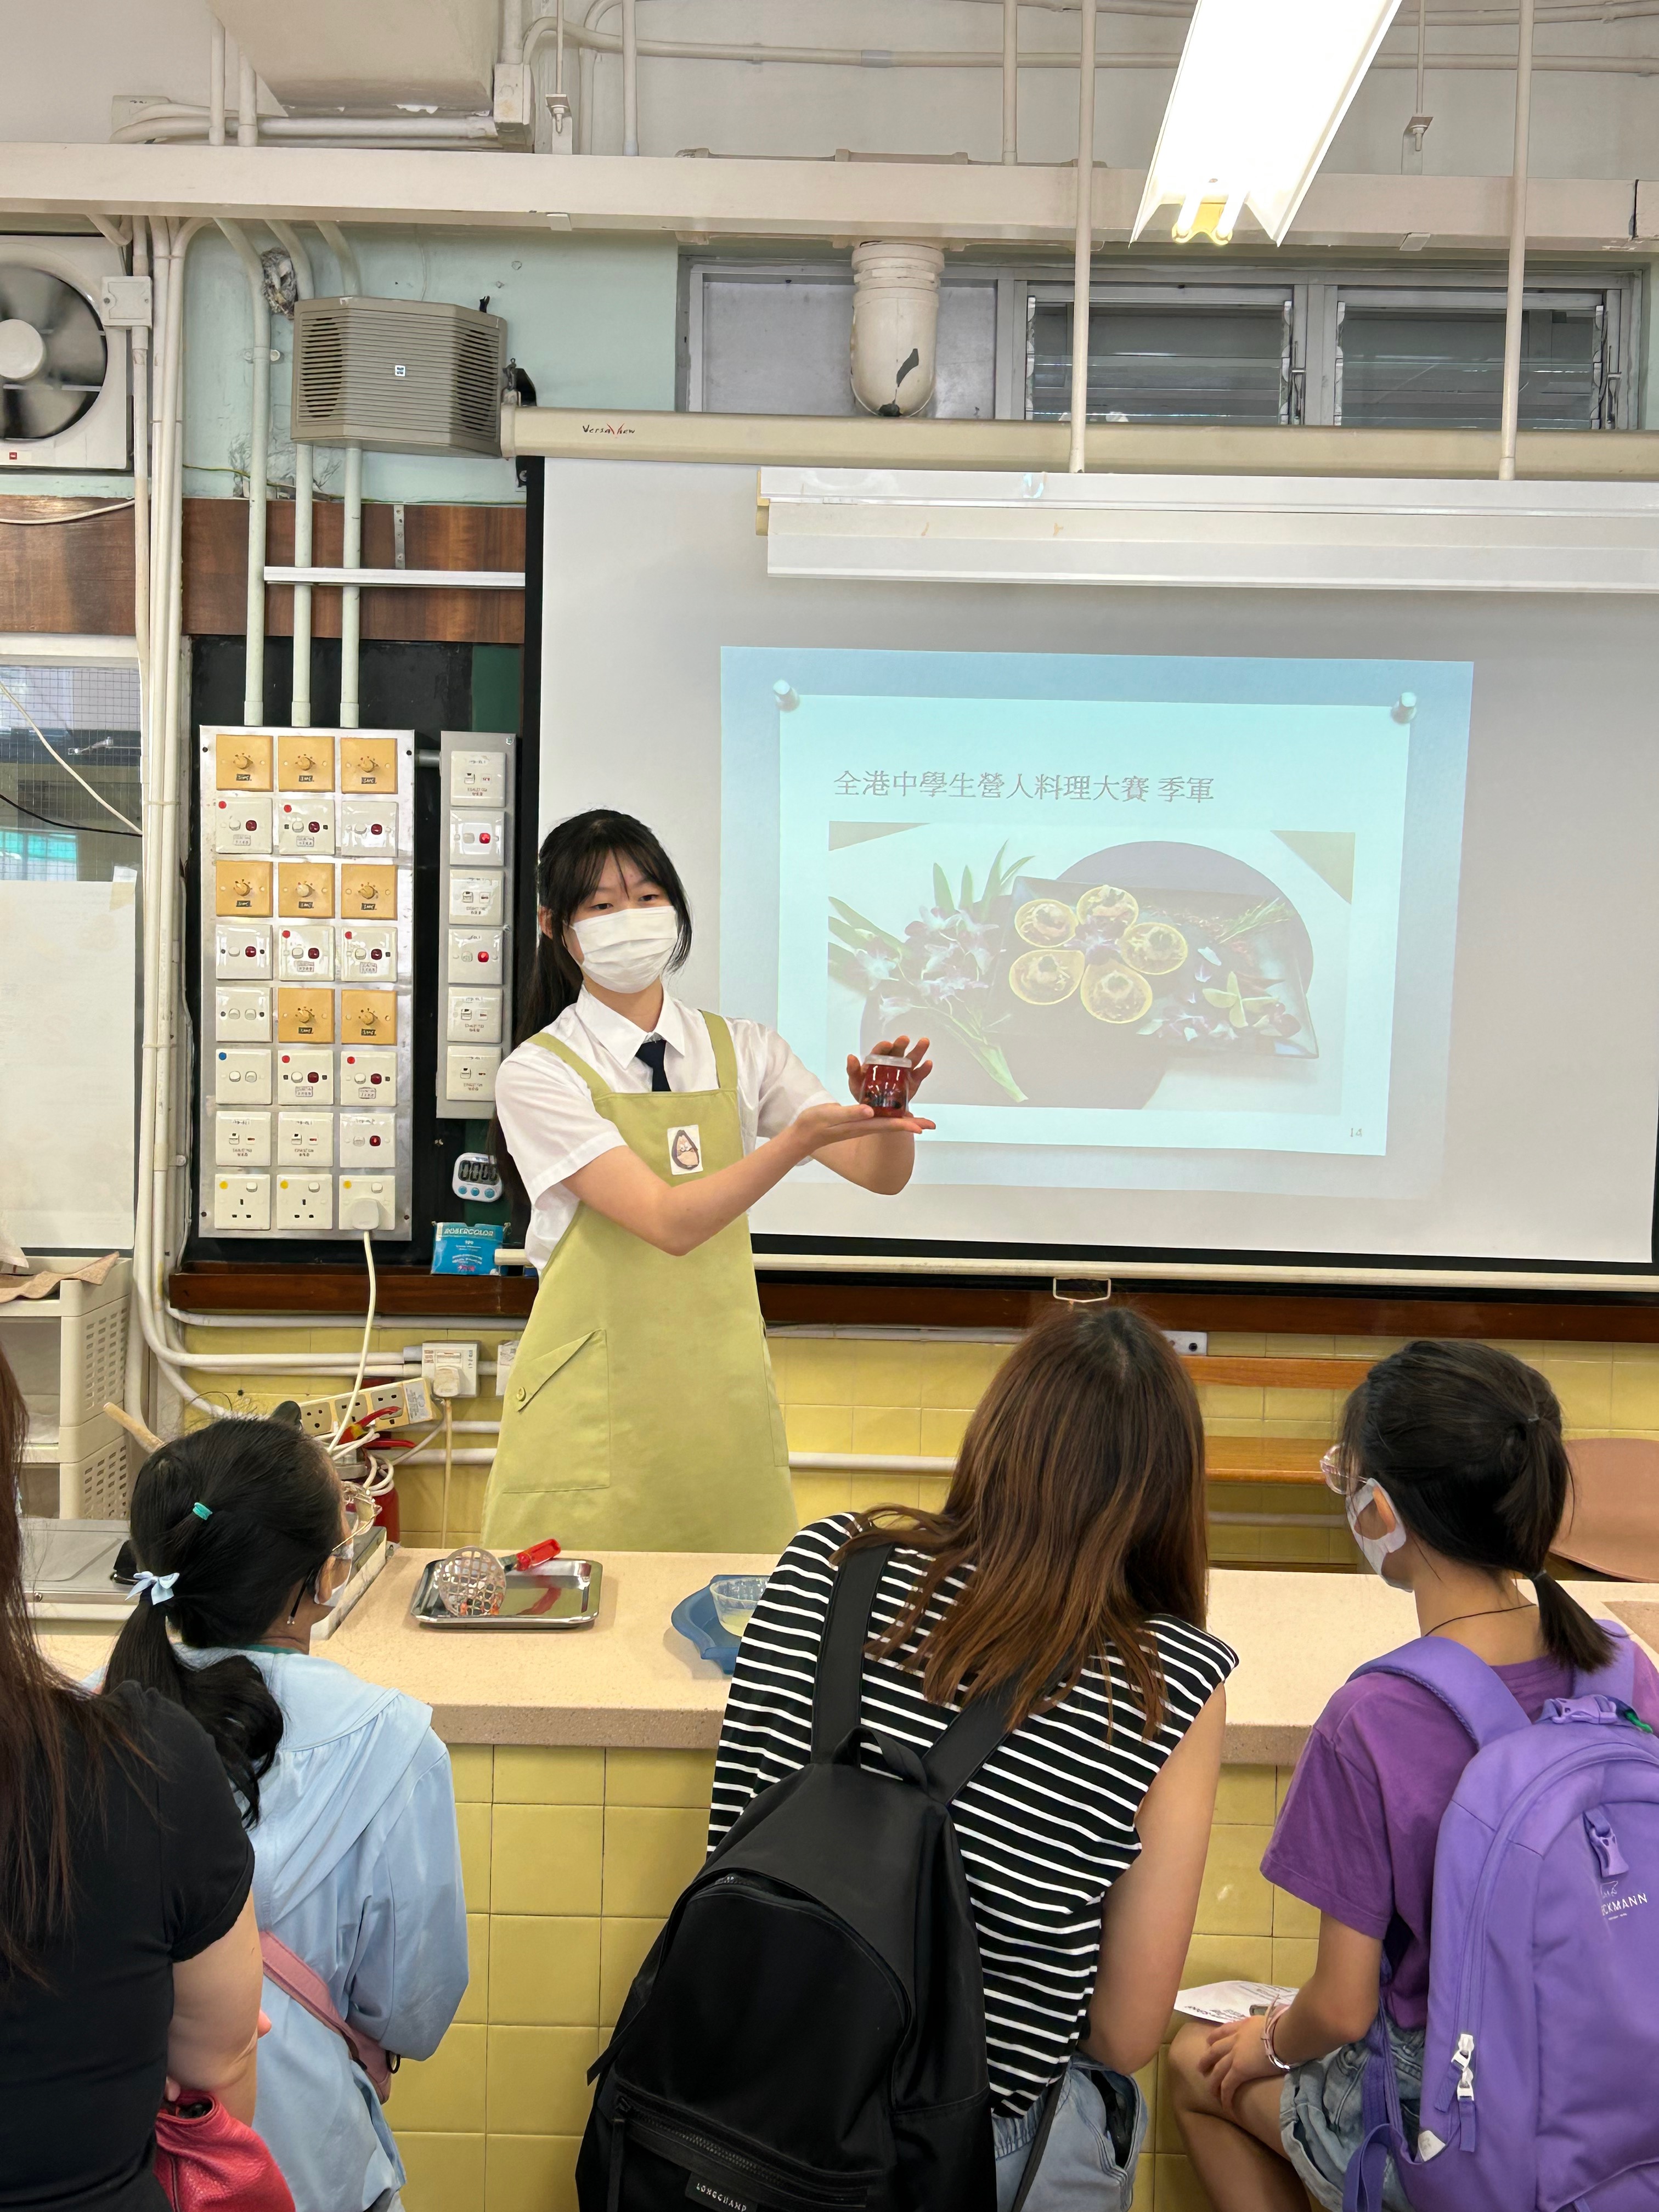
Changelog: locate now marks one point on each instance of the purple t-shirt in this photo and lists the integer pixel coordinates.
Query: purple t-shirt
(1357, 1835)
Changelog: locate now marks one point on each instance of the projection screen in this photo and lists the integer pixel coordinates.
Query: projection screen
(1243, 923)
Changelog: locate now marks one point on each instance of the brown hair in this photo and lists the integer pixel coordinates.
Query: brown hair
(39, 1711)
(1078, 1500)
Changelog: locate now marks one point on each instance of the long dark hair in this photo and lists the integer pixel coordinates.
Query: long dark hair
(269, 1517)
(567, 869)
(39, 1713)
(1078, 1498)
(1467, 1442)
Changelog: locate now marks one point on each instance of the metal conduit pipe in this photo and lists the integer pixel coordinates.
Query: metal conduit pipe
(1083, 246)
(169, 122)
(352, 550)
(217, 84)
(1009, 82)
(259, 470)
(630, 59)
(304, 493)
(1515, 298)
(248, 103)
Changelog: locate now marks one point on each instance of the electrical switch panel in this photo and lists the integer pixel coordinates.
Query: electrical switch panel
(475, 906)
(307, 849)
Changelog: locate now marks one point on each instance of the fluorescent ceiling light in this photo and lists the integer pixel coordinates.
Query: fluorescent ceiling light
(1261, 88)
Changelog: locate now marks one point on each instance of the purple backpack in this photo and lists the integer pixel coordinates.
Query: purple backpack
(1540, 2068)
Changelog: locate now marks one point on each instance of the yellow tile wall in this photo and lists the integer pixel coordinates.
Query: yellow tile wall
(912, 1398)
(573, 1859)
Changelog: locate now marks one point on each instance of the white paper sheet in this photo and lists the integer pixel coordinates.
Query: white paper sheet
(1221, 2001)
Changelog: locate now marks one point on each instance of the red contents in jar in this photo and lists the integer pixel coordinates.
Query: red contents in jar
(887, 1086)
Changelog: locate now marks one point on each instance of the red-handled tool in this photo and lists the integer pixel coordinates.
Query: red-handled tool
(537, 1555)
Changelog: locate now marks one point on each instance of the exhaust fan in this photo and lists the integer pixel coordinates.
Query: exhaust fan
(63, 378)
(399, 376)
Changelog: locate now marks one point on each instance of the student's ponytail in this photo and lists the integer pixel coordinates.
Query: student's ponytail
(228, 1524)
(1467, 1442)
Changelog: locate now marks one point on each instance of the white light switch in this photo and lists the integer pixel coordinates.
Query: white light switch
(241, 1079)
(241, 822)
(368, 1077)
(367, 1140)
(241, 1140)
(305, 823)
(478, 779)
(305, 951)
(470, 1071)
(476, 897)
(241, 951)
(241, 1201)
(241, 1014)
(475, 1017)
(305, 1140)
(474, 958)
(368, 952)
(365, 825)
(305, 1079)
(476, 840)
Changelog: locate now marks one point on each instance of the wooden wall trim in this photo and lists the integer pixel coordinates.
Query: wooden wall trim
(62, 578)
(215, 571)
(233, 1287)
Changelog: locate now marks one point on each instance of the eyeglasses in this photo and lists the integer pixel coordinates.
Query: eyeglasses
(1331, 1467)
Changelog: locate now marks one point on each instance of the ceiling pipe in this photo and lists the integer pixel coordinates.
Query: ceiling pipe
(248, 103)
(1082, 248)
(631, 59)
(258, 472)
(1009, 82)
(304, 493)
(894, 346)
(217, 84)
(351, 555)
(1515, 299)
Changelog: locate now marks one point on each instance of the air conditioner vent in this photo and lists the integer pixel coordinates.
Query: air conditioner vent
(399, 376)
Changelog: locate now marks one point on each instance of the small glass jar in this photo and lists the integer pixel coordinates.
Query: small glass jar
(886, 1085)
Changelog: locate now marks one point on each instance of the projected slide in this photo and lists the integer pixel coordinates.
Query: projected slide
(1141, 906)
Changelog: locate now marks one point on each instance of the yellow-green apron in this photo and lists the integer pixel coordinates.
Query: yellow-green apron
(640, 1412)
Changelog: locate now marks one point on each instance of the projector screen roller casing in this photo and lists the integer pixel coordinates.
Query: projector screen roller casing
(1497, 991)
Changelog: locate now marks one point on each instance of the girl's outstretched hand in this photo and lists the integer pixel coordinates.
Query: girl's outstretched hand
(898, 1048)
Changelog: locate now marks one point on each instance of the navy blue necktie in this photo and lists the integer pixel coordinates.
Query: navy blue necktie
(653, 1052)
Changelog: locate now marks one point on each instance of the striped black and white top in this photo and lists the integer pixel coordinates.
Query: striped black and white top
(1046, 1826)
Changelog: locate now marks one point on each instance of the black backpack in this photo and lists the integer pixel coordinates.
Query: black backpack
(808, 2033)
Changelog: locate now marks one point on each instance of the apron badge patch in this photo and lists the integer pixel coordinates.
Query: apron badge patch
(685, 1150)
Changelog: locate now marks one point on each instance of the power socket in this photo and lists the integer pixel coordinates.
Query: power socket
(451, 1371)
(241, 1201)
(304, 1202)
(368, 1202)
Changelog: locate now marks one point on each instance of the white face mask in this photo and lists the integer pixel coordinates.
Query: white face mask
(629, 950)
(1376, 1548)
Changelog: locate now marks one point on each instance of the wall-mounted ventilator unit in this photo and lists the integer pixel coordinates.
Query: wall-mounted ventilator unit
(398, 376)
(62, 379)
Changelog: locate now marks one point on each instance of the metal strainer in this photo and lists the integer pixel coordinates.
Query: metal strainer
(471, 1583)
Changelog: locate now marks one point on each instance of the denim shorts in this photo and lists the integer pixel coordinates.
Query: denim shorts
(1321, 2122)
(1089, 2159)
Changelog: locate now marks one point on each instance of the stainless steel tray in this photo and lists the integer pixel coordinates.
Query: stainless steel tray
(572, 1584)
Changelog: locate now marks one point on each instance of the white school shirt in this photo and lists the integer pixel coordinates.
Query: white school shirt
(553, 1127)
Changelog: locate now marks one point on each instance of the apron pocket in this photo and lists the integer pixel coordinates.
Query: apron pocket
(557, 1434)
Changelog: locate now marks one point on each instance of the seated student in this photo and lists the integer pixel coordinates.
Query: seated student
(347, 1790)
(1456, 1479)
(1069, 1557)
(128, 1950)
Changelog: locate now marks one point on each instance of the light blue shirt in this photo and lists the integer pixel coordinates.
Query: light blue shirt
(357, 1868)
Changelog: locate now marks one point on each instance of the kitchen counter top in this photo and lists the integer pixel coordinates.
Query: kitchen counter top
(632, 1681)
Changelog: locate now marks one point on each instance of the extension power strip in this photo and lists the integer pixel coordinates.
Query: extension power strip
(376, 1411)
